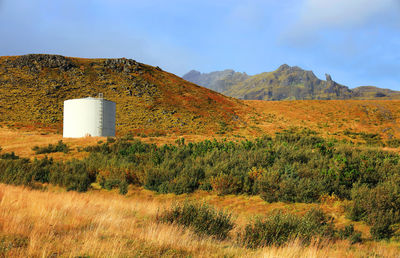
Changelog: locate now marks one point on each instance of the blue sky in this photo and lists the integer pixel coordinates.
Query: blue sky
(356, 41)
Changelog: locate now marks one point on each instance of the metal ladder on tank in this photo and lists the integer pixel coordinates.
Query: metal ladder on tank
(101, 114)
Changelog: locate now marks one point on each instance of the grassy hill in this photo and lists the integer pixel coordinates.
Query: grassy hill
(285, 83)
(33, 88)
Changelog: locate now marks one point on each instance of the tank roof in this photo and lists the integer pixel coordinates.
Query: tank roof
(90, 98)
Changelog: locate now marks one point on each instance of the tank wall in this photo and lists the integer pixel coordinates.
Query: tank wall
(83, 117)
(109, 112)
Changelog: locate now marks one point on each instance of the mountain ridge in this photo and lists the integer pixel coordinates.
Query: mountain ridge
(288, 83)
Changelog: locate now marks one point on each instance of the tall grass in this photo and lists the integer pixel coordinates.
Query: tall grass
(69, 224)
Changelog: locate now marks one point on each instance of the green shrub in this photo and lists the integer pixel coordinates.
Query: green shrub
(60, 147)
(109, 184)
(379, 206)
(393, 143)
(111, 140)
(279, 228)
(225, 184)
(348, 232)
(355, 238)
(74, 175)
(123, 188)
(11, 156)
(203, 219)
(382, 227)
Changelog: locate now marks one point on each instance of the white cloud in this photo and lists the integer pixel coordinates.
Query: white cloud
(317, 15)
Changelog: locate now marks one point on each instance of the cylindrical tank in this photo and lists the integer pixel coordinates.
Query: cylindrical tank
(89, 117)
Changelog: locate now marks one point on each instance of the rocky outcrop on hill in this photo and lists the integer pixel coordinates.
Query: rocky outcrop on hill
(36, 62)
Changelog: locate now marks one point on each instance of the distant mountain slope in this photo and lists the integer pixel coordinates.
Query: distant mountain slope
(33, 88)
(217, 81)
(372, 92)
(288, 83)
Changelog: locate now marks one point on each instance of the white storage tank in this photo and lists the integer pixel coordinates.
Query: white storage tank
(89, 117)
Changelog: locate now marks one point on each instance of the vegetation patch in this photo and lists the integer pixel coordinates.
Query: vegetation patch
(202, 218)
(59, 147)
(278, 228)
(10, 242)
(293, 166)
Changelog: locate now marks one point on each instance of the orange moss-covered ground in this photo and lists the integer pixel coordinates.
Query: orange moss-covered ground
(328, 117)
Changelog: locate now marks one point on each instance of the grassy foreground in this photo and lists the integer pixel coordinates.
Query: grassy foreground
(102, 224)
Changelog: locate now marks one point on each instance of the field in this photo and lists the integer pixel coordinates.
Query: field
(42, 219)
(102, 224)
(340, 119)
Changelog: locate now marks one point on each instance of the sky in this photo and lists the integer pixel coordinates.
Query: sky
(356, 41)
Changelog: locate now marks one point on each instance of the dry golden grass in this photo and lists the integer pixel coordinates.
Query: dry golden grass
(21, 141)
(103, 224)
(72, 224)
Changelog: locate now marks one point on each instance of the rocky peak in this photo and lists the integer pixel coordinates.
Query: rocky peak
(191, 74)
(283, 67)
(328, 77)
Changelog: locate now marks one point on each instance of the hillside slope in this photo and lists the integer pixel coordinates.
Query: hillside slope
(286, 83)
(33, 88)
(372, 92)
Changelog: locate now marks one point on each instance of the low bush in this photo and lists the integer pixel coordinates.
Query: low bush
(74, 175)
(11, 156)
(348, 232)
(279, 228)
(382, 227)
(201, 218)
(60, 147)
(111, 139)
(123, 187)
(379, 206)
(393, 143)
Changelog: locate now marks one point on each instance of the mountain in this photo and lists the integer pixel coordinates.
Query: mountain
(33, 88)
(217, 81)
(372, 92)
(287, 83)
